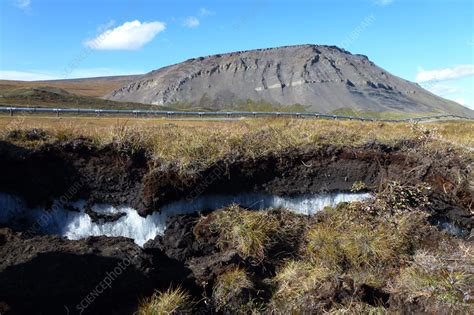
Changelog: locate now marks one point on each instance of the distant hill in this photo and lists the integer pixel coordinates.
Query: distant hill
(72, 93)
(318, 78)
(93, 87)
(59, 98)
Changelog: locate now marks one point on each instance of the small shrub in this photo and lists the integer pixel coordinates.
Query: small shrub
(358, 186)
(172, 301)
(398, 197)
(34, 134)
(424, 133)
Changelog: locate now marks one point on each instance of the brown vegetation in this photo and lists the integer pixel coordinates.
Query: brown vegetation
(207, 142)
(93, 87)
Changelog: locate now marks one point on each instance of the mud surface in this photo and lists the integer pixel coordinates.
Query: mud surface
(51, 275)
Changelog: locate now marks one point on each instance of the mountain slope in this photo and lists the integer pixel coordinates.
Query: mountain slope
(323, 78)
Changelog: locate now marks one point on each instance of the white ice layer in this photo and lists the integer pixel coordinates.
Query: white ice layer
(77, 224)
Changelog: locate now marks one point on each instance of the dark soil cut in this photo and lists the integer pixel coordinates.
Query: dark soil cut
(51, 275)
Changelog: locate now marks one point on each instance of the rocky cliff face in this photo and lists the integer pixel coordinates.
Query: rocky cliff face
(323, 78)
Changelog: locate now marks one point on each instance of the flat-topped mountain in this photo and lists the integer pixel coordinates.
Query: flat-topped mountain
(322, 78)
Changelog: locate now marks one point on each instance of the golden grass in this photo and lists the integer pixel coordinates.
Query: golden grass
(355, 244)
(348, 230)
(351, 241)
(250, 233)
(205, 142)
(172, 301)
(86, 125)
(460, 132)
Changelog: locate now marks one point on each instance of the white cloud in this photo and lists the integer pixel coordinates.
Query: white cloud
(195, 21)
(441, 90)
(129, 36)
(205, 12)
(25, 5)
(383, 2)
(456, 72)
(191, 22)
(458, 90)
(41, 75)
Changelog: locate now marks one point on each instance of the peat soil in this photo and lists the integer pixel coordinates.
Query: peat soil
(42, 274)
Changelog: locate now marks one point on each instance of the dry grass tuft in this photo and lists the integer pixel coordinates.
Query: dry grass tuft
(299, 284)
(354, 239)
(172, 301)
(367, 248)
(250, 233)
(324, 245)
(256, 235)
(126, 138)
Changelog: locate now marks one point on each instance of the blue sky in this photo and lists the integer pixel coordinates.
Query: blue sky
(425, 41)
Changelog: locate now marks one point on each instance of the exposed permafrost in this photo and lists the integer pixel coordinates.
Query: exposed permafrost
(78, 224)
